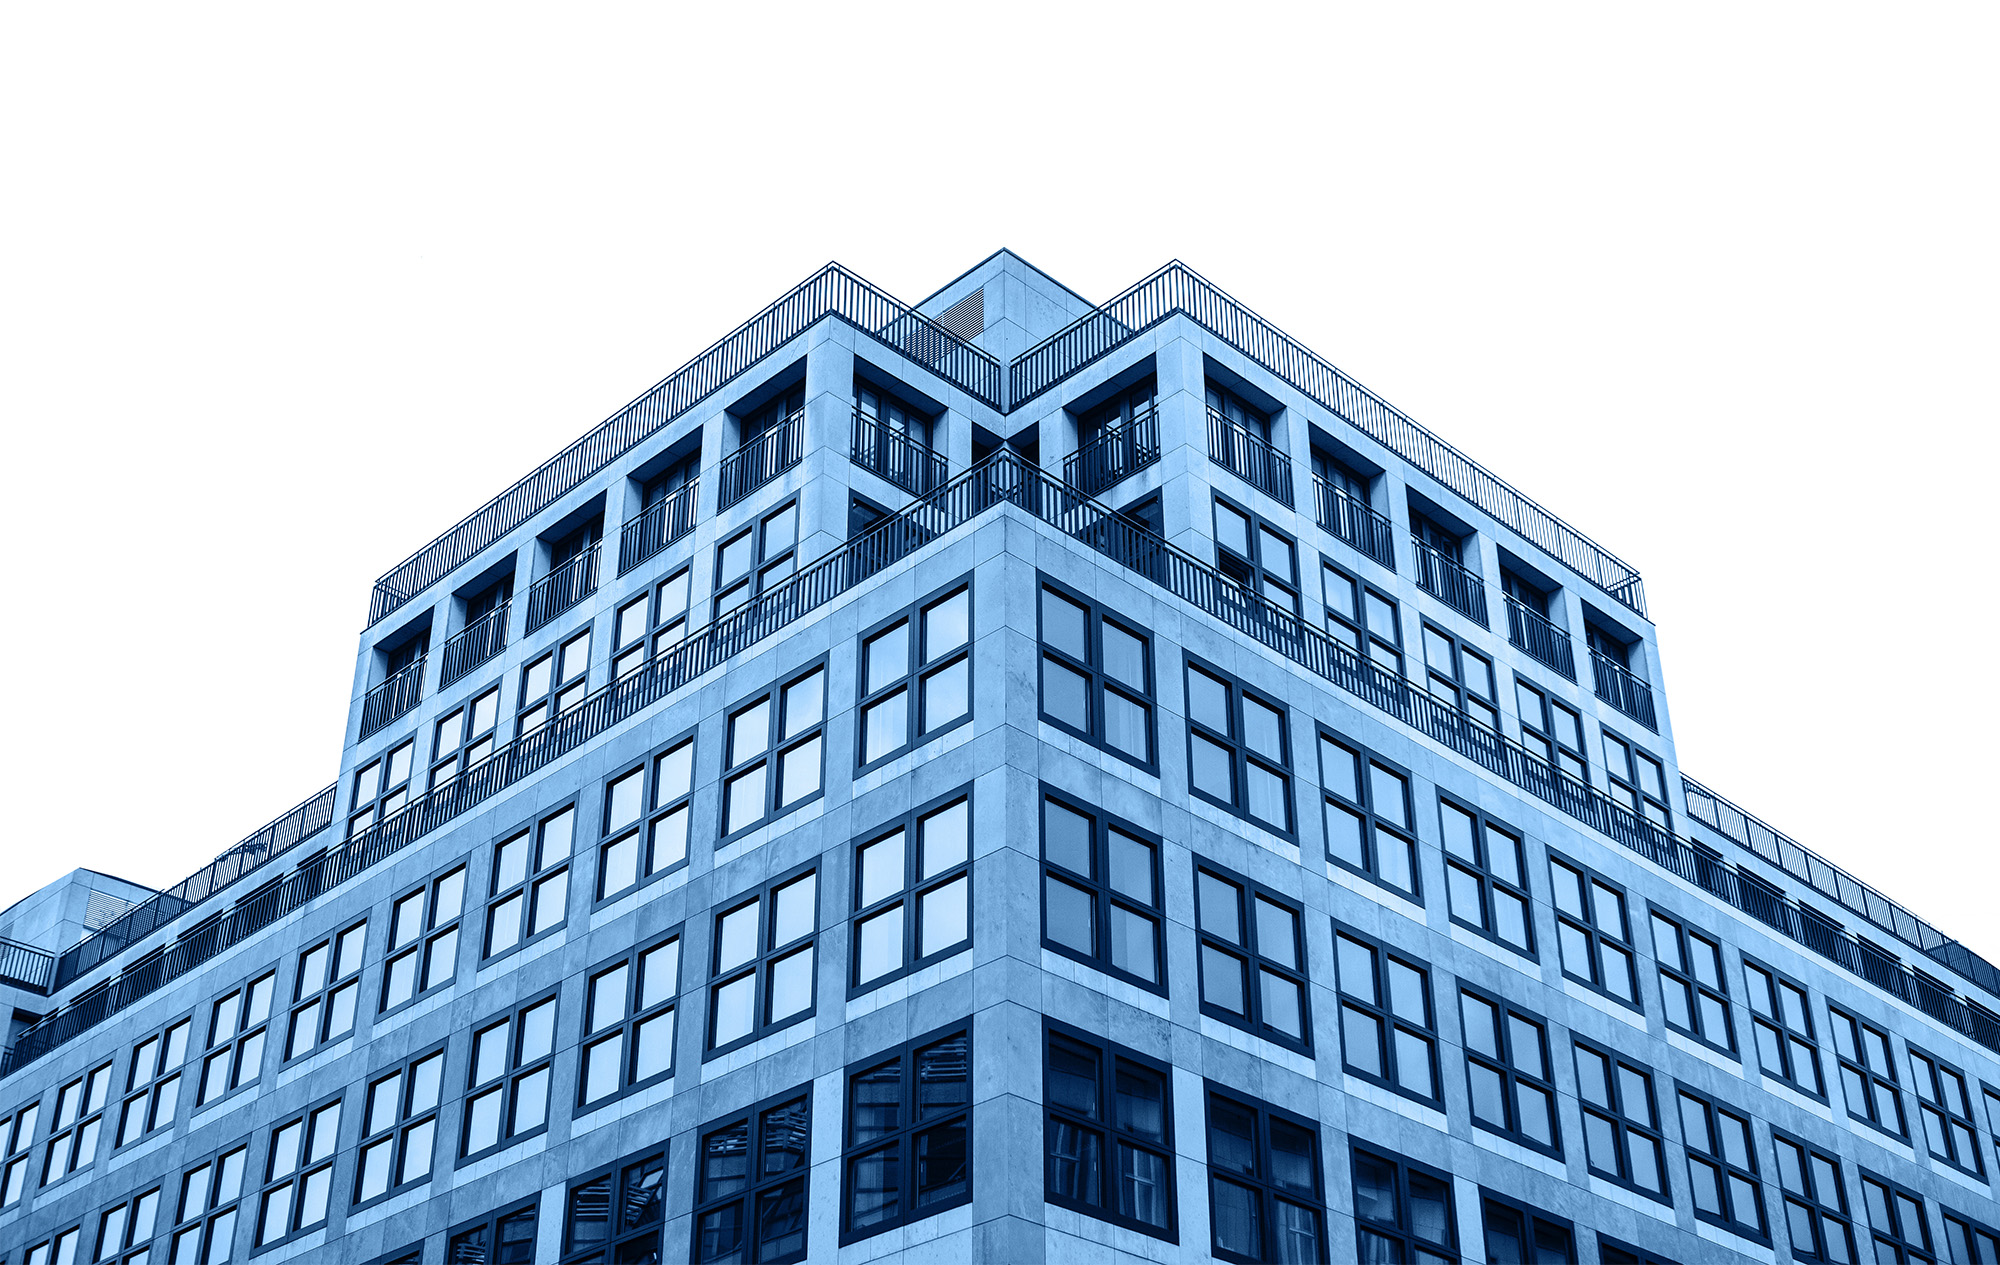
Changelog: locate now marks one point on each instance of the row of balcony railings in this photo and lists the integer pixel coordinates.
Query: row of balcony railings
(658, 525)
(1114, 454)
(563, 587)
(1829, 880)
(1544, 641)
(1004, 479)
(1249, 458)
(832, 291)
(395, 696)
(1354, 522)
(25, 966)
(761, 460)
(910, 464)
(1624, 690)
(1450, 581)
(476, 643)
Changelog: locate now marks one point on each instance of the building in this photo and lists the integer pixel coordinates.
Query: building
(1022, 781)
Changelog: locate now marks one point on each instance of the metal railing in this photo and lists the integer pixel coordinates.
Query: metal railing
(1628, 693)
(394, 697)
(474, 644)
(1346, 517)
(916, 468)
(1445, 579)
(1114, 454)
(1530, 630)
(657, 526)
(1257, 463)
(563, 587)
(1177, 289)
(761, 460)
(832, 291)
(25, 966)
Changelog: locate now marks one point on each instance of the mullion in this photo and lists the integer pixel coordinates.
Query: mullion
(1815, 1200)
(1499, 905)
(758, 1188)
(1898, 1218)
(1381, 1009)
(1514, 1083)
(1629, 1135)
(1786, 1048)
(1868, 1072)
(1262, 1179)
(1610, 964)
(1706, 1127)
(397, 1137)
(903, 1137)
(1947, 1115)
(1351, 788)
(766, 953)
(1676, 948)
(1108, 1061)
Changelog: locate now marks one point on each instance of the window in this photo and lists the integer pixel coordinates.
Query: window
(1946, 1110)
(506, 1237)
(913, 891)
(761, 977)
(1967, 1242)
(507, 1085)
(1902, 1232)
(1461, 676)
(1638, 781)
(1388, 1027)
(629, 1023)
(17, 1135)
(152, 1082)
(1097, 675)
(1552, 730)
(750, 1199)
(205, 1209)
(1987, 1092)
(464, 737)
(1113, 440)
(1621, 1126)
(1815, 1202)
(1594, 930)
(235, 1044)
(615, 1214)
(553, 684)
(1722, 1165)
(1110, 1133)
(756, 559)
(1369, 823)
(1783, 1026)
(325, 991)
(1867, 1072)
(75, 1124)
(1402, 1211)
(128, 1227)
(916, 676)
(1252, 954)
(399, 1131)
(659, 790)
(1101, 892)
(1483, 872)
(530, 889)
(60, 1250)
(1516, 1232)
(1258, 557)
(908, 1150)
(1507, 1067)
(381, 788)
(660, 614)
(789, 719)
(298, 1174)
(423, 939)
(1263, 1182)
(1693, 986)
(1239, 750)
(1362, 617)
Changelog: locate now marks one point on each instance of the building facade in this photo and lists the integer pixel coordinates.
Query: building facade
(1003, 779)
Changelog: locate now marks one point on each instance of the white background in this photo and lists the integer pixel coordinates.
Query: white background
(281, 299)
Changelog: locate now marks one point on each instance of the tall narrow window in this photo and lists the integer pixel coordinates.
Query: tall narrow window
(1483, 871)
(647, 810)
(916, 676)
(1263, 1182)
(1966, 1241)
(908, 1150)
(1517, 1232)
(1403, 1210)
(775, 757)
(913, 891)
(298, 1175)
(761, 970)
(1621, 1124)
(381, 788)
(1097, 675)
(1388, 1025)
(1239, 747)
(1552, 730)
(1815, 1202)
(1370, 827)
(1252, 953)
(1261, 559)
(1507, 1067)
(750, 1196)
(553, 684)
(756, 560)
(1364, 618)
(17, 1136)
(1946, 1110)
(504, 1236)
(1867, 1073)
(1109, 1133)
(464, 737)
(1902, 1232)
(325, 992)
(507, 1090)
(75, 1125)
(205, 1209)
(1461, 676)
(1101, 893)
(1782, 1021)
(1693, 983)
(629, 629)
(423, 939)
(1637, 780)
(1722, 1166)
(629, 1023)
(399, 1131)
(530, 890)
(152, 1083)
(128, 1227)
(235, 1045)
(1594, 930)
(616, 1213)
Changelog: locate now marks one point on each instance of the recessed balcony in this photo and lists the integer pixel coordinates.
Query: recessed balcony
(563, 588)
(1352, 521)
(1628, 693)
(657, 526)
(474, 644)
(1243, 454)
(1114, 454)
(393, 697)
(912, 466)
(1449, 581)
(761, 460)
(1529, 630)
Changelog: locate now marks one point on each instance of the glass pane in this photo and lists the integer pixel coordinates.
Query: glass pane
(734, 1010)
(947, 625)
(1340, 769)
(1064, 626)
(1133, 944)
(1263, 729)
(1214, 769)
(1389, 793)
(882, 868)
(1408, 998)
(1208, 702)
(1357, 969)
(1222, 980)
(881, 945)
(1284, 1007)
(805, 704)
(1066, 839)
(1277, 934)
(945, 836)
(1345, 832)
(887, 655)
(1362, 1035)
(1132, 867)
(947, 695)
(1124, 657)
(1065, 694)
(942, 917)
(1071, 915)
(750, 732)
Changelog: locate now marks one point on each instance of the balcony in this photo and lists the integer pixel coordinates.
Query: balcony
(761, 460)
(657, 526)
(393, 698)
(1527, 630)
(474, 644)
(1257, 463)
(1627, 693)
(916, 468)
(1451, 583)
(25, 966)
(1355, 523)
(562, 588)
(1114, 455)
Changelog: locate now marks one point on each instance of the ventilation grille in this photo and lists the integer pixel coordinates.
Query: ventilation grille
(967, 317)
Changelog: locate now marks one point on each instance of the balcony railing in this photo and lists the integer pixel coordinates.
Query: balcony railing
(474, 644)
(761, 460)
(562, 588)
(1445, 579)
(1371, 533)
(25, 966)
(1257, 463)
(1627, 693)
(1114, 454)
(916, 468)
(1532, 632)
(657, 526)
(392, 698)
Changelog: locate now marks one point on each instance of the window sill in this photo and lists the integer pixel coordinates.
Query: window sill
(1598, 1001)
(1098, 982)
(905, 986)
(1390, 1100)
(1526, 1156)
(630, 1103)
(744, 1055)
(1628, 1198)
(1737, 1243)
(1237, 1039)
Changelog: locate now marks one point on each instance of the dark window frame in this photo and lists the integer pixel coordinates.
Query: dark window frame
(1104, 1123)
(243, 1047)
(310, 1161)
(1542, 733)
(406, 1119)
(1401, 1232)
(1490, 889)
(646, 831)
(17, 1149)
(1504, 1063)
(910, 896)
(1577, 891)
(1378, 1006)
(1709, 1151)
(1248, 950)
(1897, 1201)
(618, 1201)
(1627, 780)
(146, 1093)
(1623, 1124)
(1105, 899)
(1775, 1021)
(1529, 1223)
(434, 938)
(1261, 1180)
(759, 1188)
(766, 567)
(472, 741)
(1968, 1239)
(919, 668)
(1815, 1165)
(1098, 681)
(766, 954)
(221, 1198)
(1363, 809)
(133, 1231)
(781, 742)
(322, 1000)
(1238, 696)
(904, 1136)
(492, 1223)
(1850, 1036)
(79, 1134)
(1682, 972)
(1358, 631)
(637, 962)
(1251, 573)
(381, 787)
(539, 873)
(1937, 1105)
(561, 689)
(507, 1083)
(1459, 691)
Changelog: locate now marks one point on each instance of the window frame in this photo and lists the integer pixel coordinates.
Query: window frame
(470, 737)
(134, 1230)
(910, 896)
(780, 742)
(1104, 1123)
(1688, 978)
(631, 1018)
(310, 1162)
(216, 1207)
(1602, 944)
(507, 1083)
(1364, 808)
(1460, 694)
(1237, 698)
(758, 1188)
(1250, 573)
(1807, 1198)
(237, 1047)
(757, 967)
(1358, 632)
(1488, 883)
(1541, 733)
(1098, 680)
(433, 939)
(1725, 1171)
(1105, 899)
(1529, 1222)
(1938, 1104)
(1624, 1126)
(1894, 1198)
(539, 872)
(406, 1120)
(767, 567)
(1628, 787)
(1402, 1229)
(1261, 1180)
(1248, 950)
(17, 1149)
(491, 1222)
(80, 1134)
(323, 1001)
(920, 668)
(906, 1132)
(1860, 1066)
(563, 690)
(644, 831)
(618, 1173)
(1389, 1022)
(1968, 1239)
(382, 787)
(147, 1092)
(1504, 1063)
(1787, 1036)
(668, 611)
